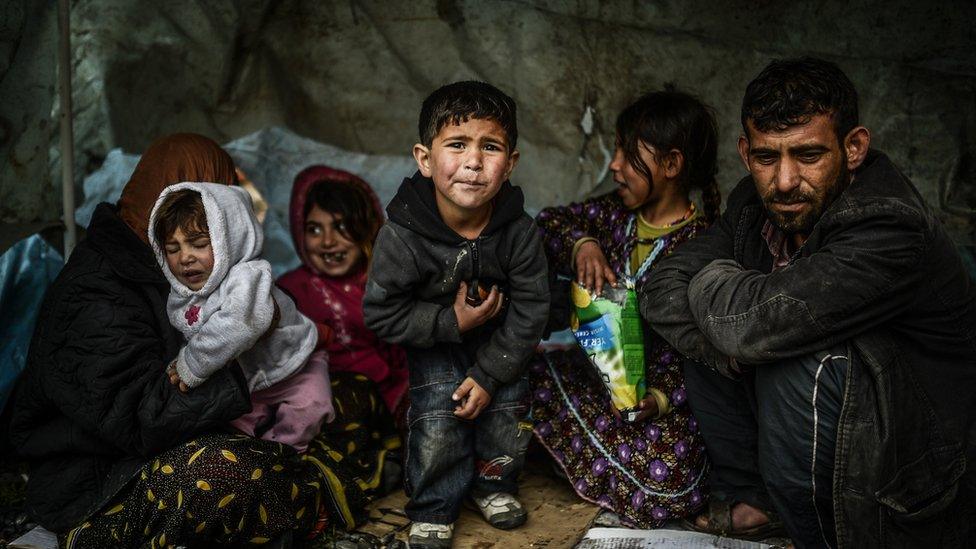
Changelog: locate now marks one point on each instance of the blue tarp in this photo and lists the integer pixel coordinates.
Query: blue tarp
(968, 254)
(26, 271)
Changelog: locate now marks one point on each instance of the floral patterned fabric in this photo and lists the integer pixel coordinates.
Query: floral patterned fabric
(647, 472)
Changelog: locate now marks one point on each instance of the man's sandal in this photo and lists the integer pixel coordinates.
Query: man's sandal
(720, 524)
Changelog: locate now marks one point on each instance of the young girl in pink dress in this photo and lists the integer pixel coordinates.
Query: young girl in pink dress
(334, 218)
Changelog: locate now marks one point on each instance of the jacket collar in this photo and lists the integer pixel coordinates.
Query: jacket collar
(415, 208)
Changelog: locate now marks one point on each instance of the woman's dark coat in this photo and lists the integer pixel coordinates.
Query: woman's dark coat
(94, 403)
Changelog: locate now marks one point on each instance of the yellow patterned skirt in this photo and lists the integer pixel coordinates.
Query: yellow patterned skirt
(231, 489)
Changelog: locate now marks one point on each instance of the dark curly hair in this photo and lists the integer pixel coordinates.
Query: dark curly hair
(456, 103)
(789, 92)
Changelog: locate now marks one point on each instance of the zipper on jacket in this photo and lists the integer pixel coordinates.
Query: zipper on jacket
(474, 296)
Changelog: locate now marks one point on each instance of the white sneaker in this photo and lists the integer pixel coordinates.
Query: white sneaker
(427, 535)
(501, 510)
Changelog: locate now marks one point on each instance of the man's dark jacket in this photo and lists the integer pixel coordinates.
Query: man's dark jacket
(419, 263)
(94, 403)
(879, 272)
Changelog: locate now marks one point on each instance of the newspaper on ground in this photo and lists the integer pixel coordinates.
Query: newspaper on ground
(624, 538)
(38, 538)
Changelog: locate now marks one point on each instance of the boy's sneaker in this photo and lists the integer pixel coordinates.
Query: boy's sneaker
(501, 510)
(427, 535)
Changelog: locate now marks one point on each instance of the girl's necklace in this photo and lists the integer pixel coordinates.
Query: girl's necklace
(688, 213)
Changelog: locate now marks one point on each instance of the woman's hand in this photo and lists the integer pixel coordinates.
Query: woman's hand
(592, 268)
(470, 316)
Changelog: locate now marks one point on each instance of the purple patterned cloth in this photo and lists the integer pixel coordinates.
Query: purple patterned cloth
(647, 472)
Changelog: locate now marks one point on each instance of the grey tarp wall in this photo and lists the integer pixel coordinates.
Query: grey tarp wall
(353, 73)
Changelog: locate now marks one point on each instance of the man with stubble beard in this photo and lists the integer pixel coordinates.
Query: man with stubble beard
(831, 331)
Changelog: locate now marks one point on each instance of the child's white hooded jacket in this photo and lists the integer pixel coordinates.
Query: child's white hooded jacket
(229, 316)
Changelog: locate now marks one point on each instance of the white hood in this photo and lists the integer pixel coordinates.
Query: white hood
(235, 234)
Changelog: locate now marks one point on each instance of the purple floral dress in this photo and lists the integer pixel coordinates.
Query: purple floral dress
(647, 472)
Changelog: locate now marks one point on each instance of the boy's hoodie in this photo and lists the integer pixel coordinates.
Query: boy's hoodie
(229, 317)
(336, 304)
(419, 263)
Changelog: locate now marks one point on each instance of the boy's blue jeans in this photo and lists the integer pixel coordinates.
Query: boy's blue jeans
(448, 457)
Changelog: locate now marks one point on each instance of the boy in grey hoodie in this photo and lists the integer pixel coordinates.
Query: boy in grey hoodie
(224, 301)
(459, 279)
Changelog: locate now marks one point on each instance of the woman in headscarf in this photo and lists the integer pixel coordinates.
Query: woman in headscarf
(118, 455)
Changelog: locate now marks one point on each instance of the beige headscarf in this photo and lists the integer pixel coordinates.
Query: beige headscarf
(172, 159)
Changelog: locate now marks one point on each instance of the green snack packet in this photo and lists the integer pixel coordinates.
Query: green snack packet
(609, 329)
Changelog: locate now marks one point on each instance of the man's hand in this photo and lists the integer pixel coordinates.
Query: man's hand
(592, 268)
(174, 378)
(468, 316)
(471, 399)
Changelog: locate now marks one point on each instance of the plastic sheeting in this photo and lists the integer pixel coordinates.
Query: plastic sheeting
(968, 254)
(271, 158)
(26, 271)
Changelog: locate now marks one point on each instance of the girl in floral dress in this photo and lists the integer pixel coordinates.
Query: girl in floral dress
(651, 470)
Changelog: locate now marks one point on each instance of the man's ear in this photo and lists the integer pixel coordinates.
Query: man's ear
(743, 146)
(422, 155)
(512, 161)
(856, 145)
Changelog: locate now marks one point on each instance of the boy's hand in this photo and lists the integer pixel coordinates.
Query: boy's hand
(592, 268)
(471, 399)
(174, 378)
(469, 317)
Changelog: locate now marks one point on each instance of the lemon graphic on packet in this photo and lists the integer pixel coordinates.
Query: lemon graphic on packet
(581, 297)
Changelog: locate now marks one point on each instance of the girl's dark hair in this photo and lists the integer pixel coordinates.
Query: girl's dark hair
(668, 120)
(353, 204)
(180, 210)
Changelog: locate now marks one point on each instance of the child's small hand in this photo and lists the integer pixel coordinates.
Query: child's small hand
(174, 378)
(592, 268)
(648, 408)
(471, 399)
(469, 316)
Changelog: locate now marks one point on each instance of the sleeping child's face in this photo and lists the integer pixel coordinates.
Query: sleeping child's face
(190, 257)
(327, 244)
